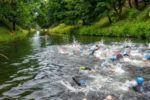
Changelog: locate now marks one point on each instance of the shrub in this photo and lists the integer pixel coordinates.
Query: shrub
(144, 15)
(131, 13)
(87, 30)
(5, 34)
(102, 23)
(62, 29)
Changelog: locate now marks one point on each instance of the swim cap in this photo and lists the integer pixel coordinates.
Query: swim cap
(112, 58)
(82, 82)
(139, 79)
(148, 56)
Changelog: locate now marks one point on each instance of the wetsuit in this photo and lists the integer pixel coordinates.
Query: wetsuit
(93, 50)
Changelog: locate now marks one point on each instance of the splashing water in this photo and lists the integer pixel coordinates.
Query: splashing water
(56, 65)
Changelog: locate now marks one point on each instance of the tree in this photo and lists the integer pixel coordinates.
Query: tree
(56, 11)
(104, 9)
(18, 12)
(117, 5)
(136, 3)
(72, 10)
(130, 3)
(83, 11)
(42, 14)
(146, 2)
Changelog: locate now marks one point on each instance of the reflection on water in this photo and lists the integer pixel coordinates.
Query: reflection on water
(36, 41)
(42, 67)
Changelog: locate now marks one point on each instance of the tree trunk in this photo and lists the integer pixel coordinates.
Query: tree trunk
(145, 3)
(109, 18)
(14, 17)
(14, 26)
(130, 4)
(115, 9)
(136, 3)
(83, 22)
(119, 9)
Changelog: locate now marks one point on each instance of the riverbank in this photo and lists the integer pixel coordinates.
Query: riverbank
(124, 28)
(6, 35)
(62, 29)
(133, 23)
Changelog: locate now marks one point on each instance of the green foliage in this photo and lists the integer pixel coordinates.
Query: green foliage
(42, 17)
(4, 30)
(61, 29)
(120, 29)
(131, 13)
(113, 17)
(6, 35)
(104, 7)
(103, 22)
(132, 23)
(5, 22)
(17, 12)
(55, 13)
(70, 11)
(144, 15)
(87, 30)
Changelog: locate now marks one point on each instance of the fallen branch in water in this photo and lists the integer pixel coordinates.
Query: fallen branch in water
(2, 55)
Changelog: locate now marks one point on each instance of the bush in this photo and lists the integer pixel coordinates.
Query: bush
(5, 34)
(144, 15)
(103, 22)
(135, 24)
(131, 13)
(87, 30)
(122, 28)
(62, 29)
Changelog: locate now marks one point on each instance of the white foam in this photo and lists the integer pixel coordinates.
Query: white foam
(125, 86)
(119, 70)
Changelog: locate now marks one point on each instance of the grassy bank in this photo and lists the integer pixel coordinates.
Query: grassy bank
(120, 29)
(61, 29)
(7, 35)
(134, 23)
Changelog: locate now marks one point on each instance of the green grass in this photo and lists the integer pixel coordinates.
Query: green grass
(134, 24)
(61, 29)
(120, 29)
(103, 22)
(6, 35)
